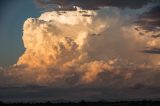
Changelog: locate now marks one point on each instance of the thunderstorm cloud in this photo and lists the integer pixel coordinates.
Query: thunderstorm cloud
(105, 45)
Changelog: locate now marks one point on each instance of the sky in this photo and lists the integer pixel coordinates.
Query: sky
(13, 15)
(69, 50)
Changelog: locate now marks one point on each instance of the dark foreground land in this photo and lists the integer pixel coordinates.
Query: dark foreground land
(83, 103)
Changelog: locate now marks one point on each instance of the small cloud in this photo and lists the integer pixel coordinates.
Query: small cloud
(152, 51)
(137, 86)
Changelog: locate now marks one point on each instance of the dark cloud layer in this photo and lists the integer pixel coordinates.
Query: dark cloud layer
(150, 20)
(94, 4)
(40, 93)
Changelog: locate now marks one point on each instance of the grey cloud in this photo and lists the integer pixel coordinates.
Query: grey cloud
(149, 26)
(93, 4)
(150, 21)
(152, 51)
(15, 94)
(137, 86)
(155, 36)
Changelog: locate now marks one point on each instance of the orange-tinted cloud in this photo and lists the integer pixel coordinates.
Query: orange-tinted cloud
(70, 49)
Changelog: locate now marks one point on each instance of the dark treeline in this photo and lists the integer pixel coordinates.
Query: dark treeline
(84, 103)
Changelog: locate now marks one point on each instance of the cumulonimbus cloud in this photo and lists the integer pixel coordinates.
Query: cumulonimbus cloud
(70, 48)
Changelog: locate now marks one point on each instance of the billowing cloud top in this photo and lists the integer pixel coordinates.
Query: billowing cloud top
(83, 47)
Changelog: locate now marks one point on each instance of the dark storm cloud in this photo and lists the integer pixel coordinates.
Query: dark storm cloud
(94, 4)
(36, 93)
(150, 21)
